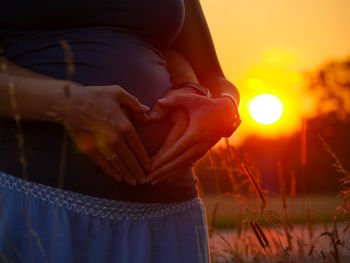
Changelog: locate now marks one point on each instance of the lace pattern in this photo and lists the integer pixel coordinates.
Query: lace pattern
(94, 206)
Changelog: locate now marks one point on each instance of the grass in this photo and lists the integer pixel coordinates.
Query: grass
(322, 207)
(266, 227)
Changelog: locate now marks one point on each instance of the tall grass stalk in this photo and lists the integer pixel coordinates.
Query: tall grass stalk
(23, 162)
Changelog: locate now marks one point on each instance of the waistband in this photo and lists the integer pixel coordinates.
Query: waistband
(94, 206)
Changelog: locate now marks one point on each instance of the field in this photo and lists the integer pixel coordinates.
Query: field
(322, 207)
(306, 233)
(250, 224)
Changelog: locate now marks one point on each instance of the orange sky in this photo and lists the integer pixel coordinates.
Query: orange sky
(264, 46)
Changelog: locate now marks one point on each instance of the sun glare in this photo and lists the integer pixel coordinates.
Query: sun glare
(266, 109)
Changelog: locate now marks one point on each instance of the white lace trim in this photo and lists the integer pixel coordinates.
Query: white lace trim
(94, 206)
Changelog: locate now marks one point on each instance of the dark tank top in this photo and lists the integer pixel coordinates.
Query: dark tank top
(119, 42)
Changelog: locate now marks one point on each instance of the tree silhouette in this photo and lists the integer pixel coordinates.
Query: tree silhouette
(331, 85)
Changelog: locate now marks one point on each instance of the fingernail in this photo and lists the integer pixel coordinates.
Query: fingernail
(132, 182)
(117, 177)
(145, 107)
(149, 177)
(147, 116)
(162, 100)
(142, 180)
(155, 115)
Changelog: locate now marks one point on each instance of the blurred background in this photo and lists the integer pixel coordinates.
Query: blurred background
(296, 54)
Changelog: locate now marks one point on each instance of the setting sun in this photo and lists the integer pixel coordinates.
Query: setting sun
(265, 109)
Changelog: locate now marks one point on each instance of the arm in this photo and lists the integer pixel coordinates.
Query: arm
(94, 117)
(196, 45)
(179, 68)
(33, 99)
(16, 70)
(209, 119)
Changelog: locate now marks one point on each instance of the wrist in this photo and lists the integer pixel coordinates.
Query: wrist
(219, 85)
(191, 90)
(227, 91)
(232, 111)
(231, 98)
(195, 87)
(66, 95)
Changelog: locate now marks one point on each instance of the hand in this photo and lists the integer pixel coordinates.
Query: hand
(209, 121)
(96, 120)
(178, 117)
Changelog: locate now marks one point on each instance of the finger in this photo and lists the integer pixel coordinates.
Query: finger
(140, 116)
(168, 177)
(185, 142)
(123, 171)
(175, 133)
(171, 176)
(128, 158)
(157, 112)
(135, 144)
(181, 162)
(102, 162)
(131, 101)
(138, 149)
(179, 100)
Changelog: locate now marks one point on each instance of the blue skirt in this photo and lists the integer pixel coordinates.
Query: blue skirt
(39, 223)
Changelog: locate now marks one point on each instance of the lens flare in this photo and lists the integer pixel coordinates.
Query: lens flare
(266, 109)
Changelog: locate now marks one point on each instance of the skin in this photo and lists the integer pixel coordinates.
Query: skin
(210, 119)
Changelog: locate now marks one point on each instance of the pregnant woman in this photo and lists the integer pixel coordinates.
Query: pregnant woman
(135, 117)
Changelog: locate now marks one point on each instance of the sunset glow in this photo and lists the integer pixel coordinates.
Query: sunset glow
(265, 47)
(266, 109)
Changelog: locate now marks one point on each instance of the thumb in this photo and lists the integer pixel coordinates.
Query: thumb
(175, 100)
(158, 112)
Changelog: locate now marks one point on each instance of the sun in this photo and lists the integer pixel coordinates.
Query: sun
(265, 109)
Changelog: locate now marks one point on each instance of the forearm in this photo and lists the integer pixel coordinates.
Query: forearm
(179, 68)
(35, 99)
(181, 71)
(14, 69)
(220, 85)
(196, 45)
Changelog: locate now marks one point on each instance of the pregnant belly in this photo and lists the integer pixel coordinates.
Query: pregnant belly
(102, 56)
